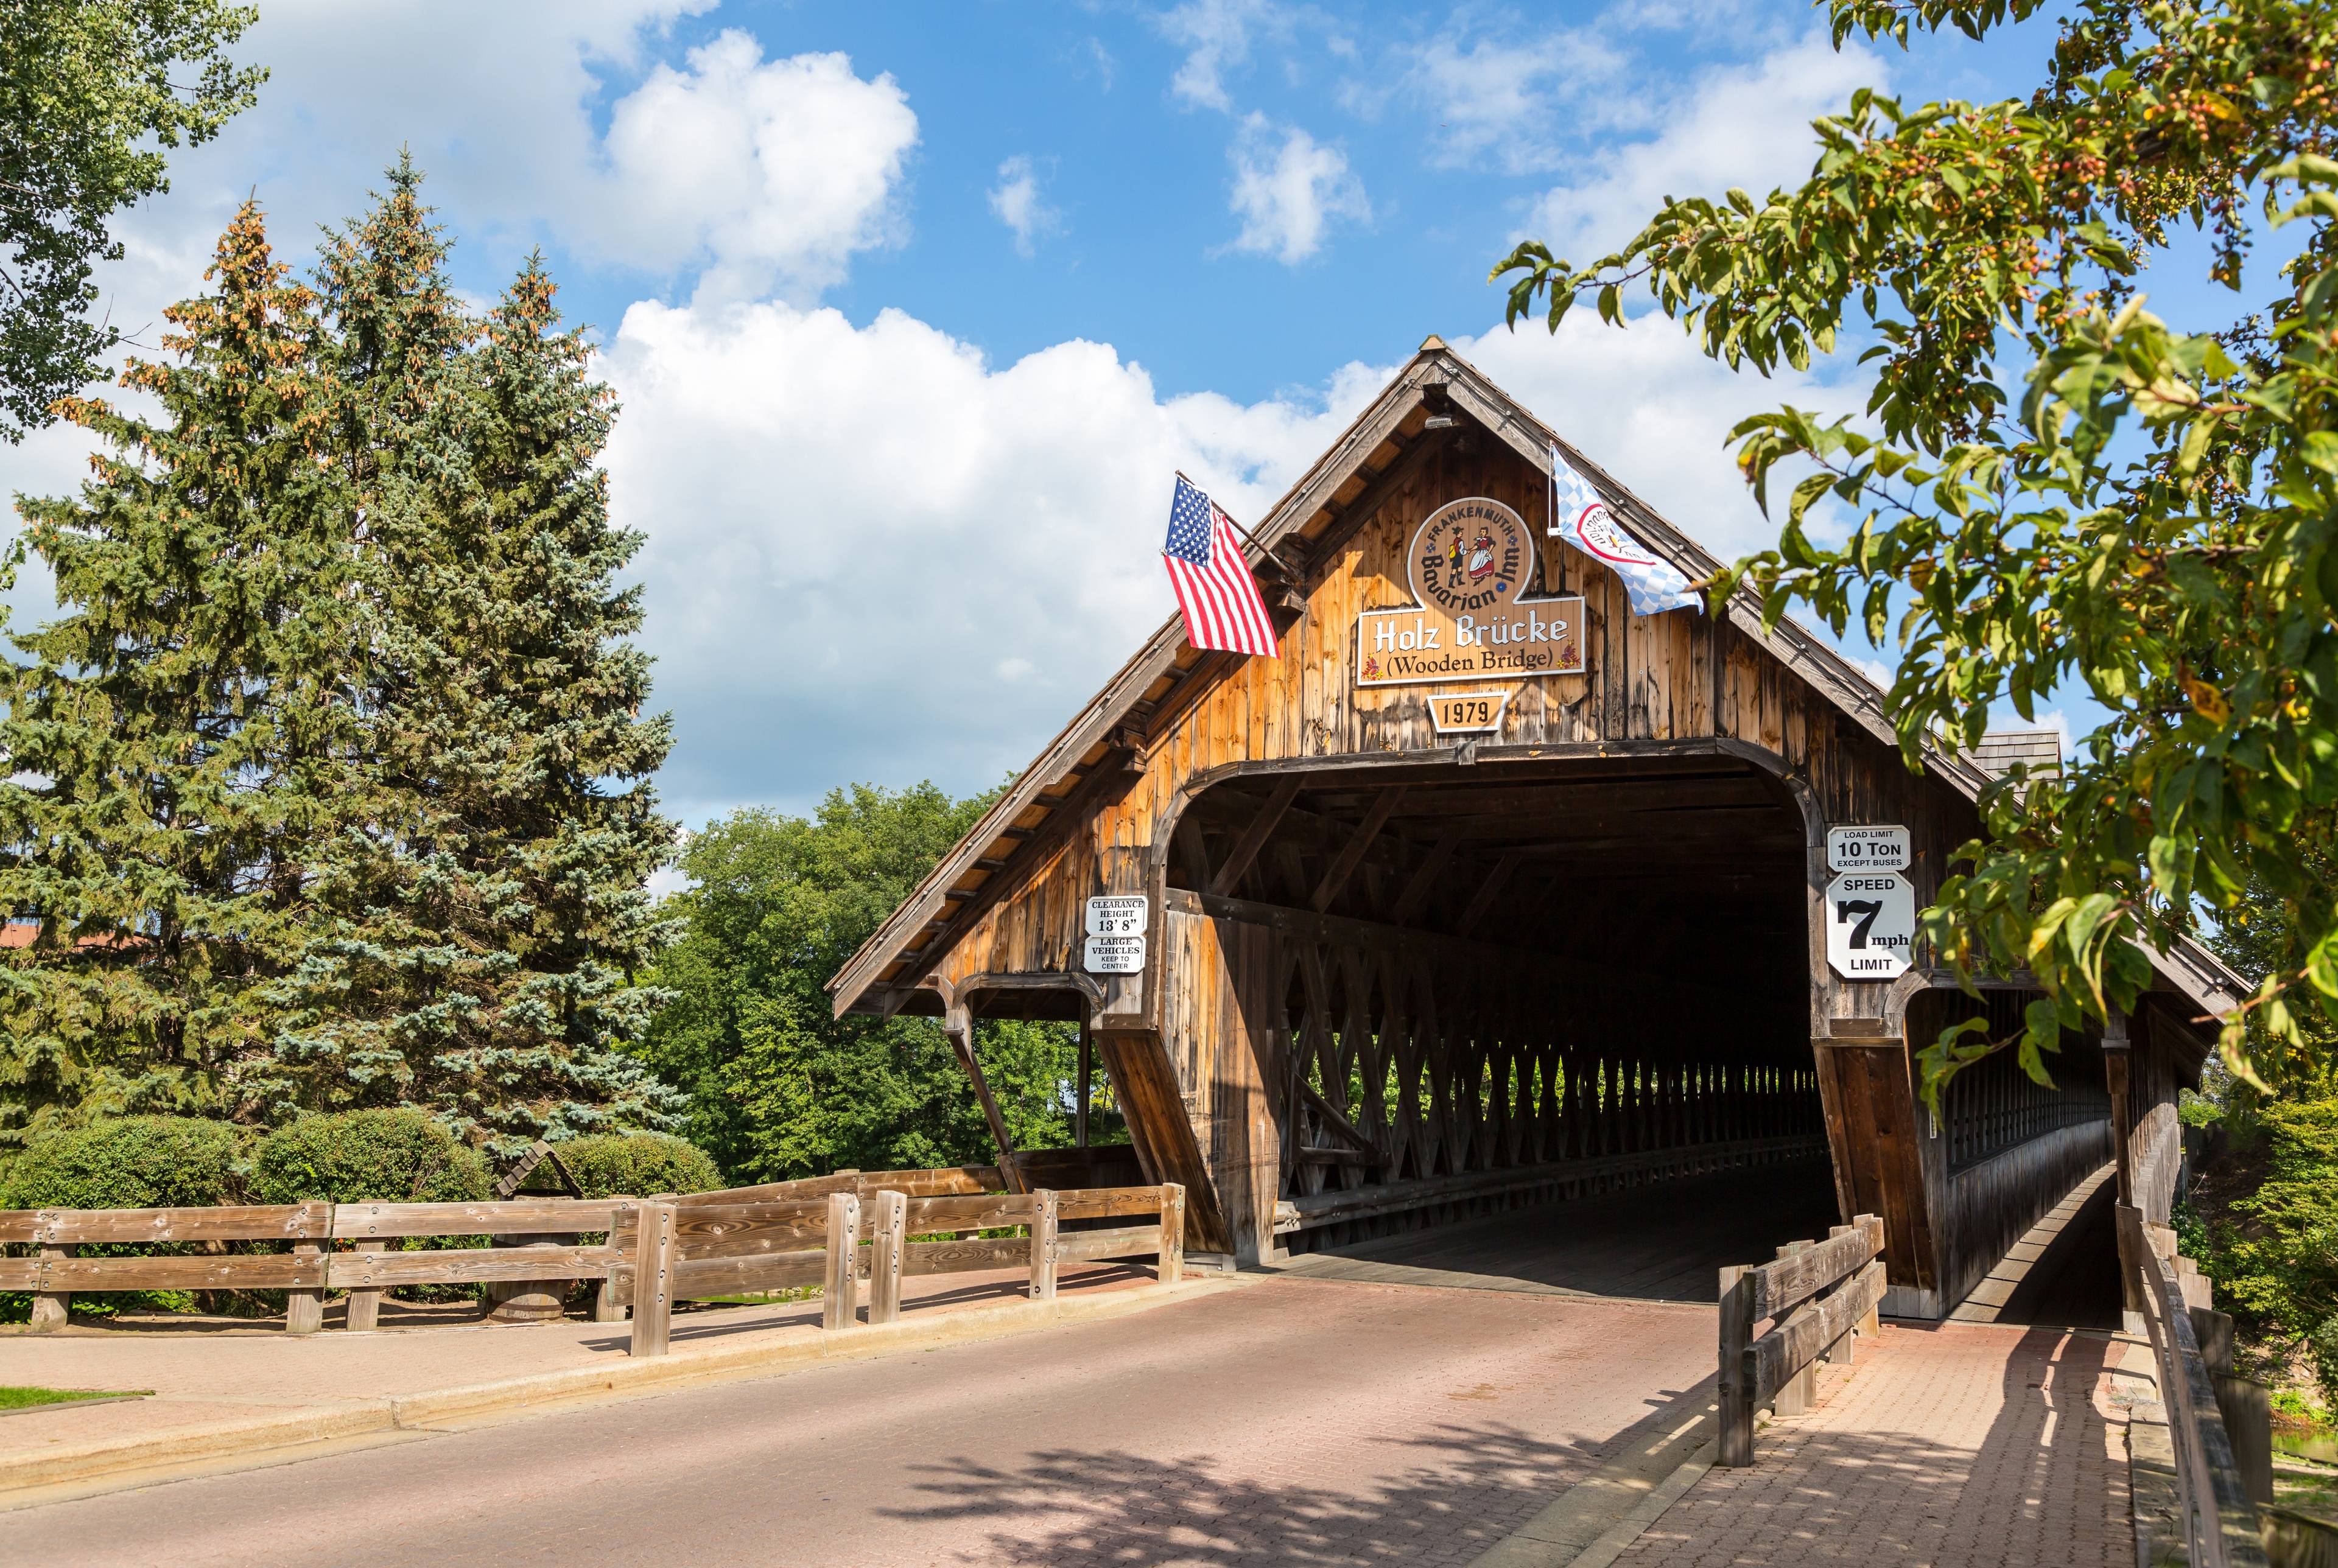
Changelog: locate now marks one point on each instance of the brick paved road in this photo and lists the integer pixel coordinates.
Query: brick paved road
(1284, 1420)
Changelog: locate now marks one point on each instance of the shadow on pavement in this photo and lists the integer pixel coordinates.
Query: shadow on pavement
(1464, 1487)
(2030, 1486)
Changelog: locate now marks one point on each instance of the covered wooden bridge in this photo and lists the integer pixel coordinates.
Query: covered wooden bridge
(1488, 891)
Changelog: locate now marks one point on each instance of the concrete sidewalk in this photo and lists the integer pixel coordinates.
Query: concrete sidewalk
(224, 1391)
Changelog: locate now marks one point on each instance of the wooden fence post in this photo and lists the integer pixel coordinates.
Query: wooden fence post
(51, 1309)
(364, 1301)
(304, 1309)
(1172, 1267)
(1795, 1398)
(604, 1300)
(1844, 1352)
(888, 1242)
(1042, 1244)
(1736, 1399)
(839, 1303)
(1872, 1324)
(653, 1278)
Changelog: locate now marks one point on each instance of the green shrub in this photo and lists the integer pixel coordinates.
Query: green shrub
(2275, 1258)
(637, 1164)
(398, 1156)
(126, 1162)
(132, 1162)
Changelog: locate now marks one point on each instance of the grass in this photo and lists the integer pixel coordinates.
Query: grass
(2314, 1495)
(18, 1398)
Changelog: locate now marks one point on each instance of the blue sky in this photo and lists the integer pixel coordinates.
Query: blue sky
(915, 309)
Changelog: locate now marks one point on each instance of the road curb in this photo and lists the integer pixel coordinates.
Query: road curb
(117, 1463)
(119, 1456)
(1591, 1524)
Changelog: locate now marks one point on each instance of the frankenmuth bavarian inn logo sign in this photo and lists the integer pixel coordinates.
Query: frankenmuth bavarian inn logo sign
(1468, 566)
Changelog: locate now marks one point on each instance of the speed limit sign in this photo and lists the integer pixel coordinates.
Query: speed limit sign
(1870, 925)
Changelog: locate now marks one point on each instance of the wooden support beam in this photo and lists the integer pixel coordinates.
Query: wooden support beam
(1193, 850)
(1345, 867)
(958, 1024)
(1087, 1084)
(1261, 827)
(1488, 891)
(365, 1305)
(1795, 1395)
(304, 1310)
(1171, 1268)
(1424, 880)
(1338, 1121)
(53, 1309)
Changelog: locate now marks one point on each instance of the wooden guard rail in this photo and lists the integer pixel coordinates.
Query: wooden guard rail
(2219, 1519)
(1817, 1295)
(775, 1237)
(677, 1249)
(312, 1267)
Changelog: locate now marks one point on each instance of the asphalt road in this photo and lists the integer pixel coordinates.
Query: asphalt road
(1284, 1418)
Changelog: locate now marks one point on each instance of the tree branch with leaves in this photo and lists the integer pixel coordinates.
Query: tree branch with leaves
(2051, 489)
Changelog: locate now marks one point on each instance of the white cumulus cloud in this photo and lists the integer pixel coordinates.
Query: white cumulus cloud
(772, 172)
(861, 533)
(1017, 201)
(1741, 125)
(1288, 189)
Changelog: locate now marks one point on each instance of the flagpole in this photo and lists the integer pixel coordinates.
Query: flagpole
(1265, 548)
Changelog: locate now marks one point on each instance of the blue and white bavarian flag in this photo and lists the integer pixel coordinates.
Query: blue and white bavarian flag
(1580, 518)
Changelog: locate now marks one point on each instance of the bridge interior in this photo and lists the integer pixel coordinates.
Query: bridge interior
(1550, 1030)
(1467, 994)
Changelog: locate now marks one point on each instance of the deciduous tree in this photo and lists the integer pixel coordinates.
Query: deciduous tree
(780, 1088)
(92, 95)
(2053, 489)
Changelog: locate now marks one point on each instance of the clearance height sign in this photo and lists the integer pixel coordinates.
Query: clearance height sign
(1469, 619)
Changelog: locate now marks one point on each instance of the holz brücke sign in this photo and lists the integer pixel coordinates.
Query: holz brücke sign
(1469, 621)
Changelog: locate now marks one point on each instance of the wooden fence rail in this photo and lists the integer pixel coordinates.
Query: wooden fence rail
(2219, 1518)
(695, 1248)
(1815, 1295)
(777, 1237)
(313, 1266)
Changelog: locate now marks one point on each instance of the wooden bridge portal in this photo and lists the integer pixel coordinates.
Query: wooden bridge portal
(1428, 932)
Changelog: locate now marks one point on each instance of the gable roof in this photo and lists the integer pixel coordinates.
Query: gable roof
(1341, 483)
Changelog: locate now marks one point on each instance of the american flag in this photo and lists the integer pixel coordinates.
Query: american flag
(1214, 587)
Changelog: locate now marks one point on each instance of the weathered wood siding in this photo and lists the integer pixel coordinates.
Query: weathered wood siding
(1680, 678)
(1673, 682)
